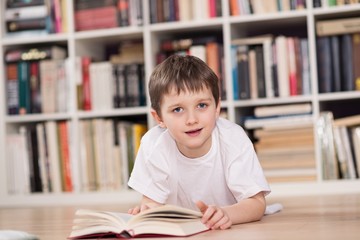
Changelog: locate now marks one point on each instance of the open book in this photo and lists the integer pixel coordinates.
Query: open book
(166, 220)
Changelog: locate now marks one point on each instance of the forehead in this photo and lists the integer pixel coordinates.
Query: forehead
(182, 97)
(174, 91)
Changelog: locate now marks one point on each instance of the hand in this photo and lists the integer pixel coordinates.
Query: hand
(214, 217)
(138, 209)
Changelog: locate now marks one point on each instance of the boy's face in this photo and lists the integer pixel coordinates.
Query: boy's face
(190, 119)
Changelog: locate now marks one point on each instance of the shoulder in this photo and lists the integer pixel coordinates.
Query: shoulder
(156, 138)
(227, 128)
(231, 135)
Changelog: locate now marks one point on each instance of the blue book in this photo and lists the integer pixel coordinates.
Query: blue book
(234, 71)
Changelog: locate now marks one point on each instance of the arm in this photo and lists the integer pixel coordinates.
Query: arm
(146, 203)
(248, 210)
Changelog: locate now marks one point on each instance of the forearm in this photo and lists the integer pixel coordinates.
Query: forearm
(149, 202)
(248, 210)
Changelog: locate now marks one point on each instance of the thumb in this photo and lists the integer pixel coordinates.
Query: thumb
(202, 206)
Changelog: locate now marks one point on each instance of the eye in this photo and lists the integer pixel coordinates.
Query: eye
(177, 110)
(202, 105)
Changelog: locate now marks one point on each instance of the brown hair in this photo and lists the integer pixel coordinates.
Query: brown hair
(183, 73)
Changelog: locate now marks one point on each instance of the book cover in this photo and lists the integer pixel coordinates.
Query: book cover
(26, 12)
(48, 86)
(338, 26)
(348, 83)
(336, 66)
(243, 72)
(324, 65)
(26, 24)
(282, 66)
(166, 220)
(356, 59)
(24, 88)
(12, 89)
(23, 3)
(35, 53)
(305, 66)
(35, 93)
(65, 160)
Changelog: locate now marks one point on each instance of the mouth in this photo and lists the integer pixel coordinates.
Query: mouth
(194, 132)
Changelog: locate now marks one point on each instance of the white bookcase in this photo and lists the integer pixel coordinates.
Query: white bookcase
(80, 43)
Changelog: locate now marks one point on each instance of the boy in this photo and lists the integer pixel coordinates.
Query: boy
(193, 158)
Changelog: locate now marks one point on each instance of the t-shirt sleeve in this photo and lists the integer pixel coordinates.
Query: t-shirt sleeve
(245, 175)
(150, 173)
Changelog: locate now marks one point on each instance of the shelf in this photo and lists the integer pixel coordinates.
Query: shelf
(37, 117)
(114, 112)
(31, 39)
(267, 101)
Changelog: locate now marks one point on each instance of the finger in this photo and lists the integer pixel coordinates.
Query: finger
(144, 207)
(227, 225)
(202, 206)
(207, 216)
(221, 223)
(136, 210)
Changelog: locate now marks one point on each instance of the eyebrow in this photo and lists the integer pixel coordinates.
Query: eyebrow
(197, 100)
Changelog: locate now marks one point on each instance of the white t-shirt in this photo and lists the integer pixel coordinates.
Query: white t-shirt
(228, 173)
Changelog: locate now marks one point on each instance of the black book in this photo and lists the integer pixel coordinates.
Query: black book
(324, 65)
(35, 179)
(260, 71)
(243, 72)
(335, 57)
(23, 3)
(348, 83)
(26, 24)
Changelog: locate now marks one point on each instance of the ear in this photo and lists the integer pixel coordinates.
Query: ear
(218, 109)
(157, 118)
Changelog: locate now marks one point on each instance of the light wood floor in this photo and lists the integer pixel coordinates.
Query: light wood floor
(311, 217)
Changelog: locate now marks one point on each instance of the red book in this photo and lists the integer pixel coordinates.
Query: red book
(104, 17)
(85, 63)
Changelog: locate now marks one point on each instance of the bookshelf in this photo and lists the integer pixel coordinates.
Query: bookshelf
(93, 42)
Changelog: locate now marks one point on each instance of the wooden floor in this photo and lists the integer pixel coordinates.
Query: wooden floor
(312, 217)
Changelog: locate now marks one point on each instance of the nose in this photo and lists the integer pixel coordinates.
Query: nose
(191, 118)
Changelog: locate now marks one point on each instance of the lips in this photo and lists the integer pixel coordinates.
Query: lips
(194, 132)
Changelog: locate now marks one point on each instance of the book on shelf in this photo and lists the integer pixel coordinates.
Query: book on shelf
(96, 18)
(170, 11)
(297, 108)
(324, 64)
(17, 163)
(24, 87)
(92, 14)
(12, 89)
(35, 53)
(352, 120)
(346, 62)
(356, 59)
(35, 88)
(286, 154)
(35, 17)
(338, 26)
(335, 63)
(37, 11)
(279, 121)
(165, 220)
(338, 142)
(28, 3)
(356, 142)
(325, 138)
